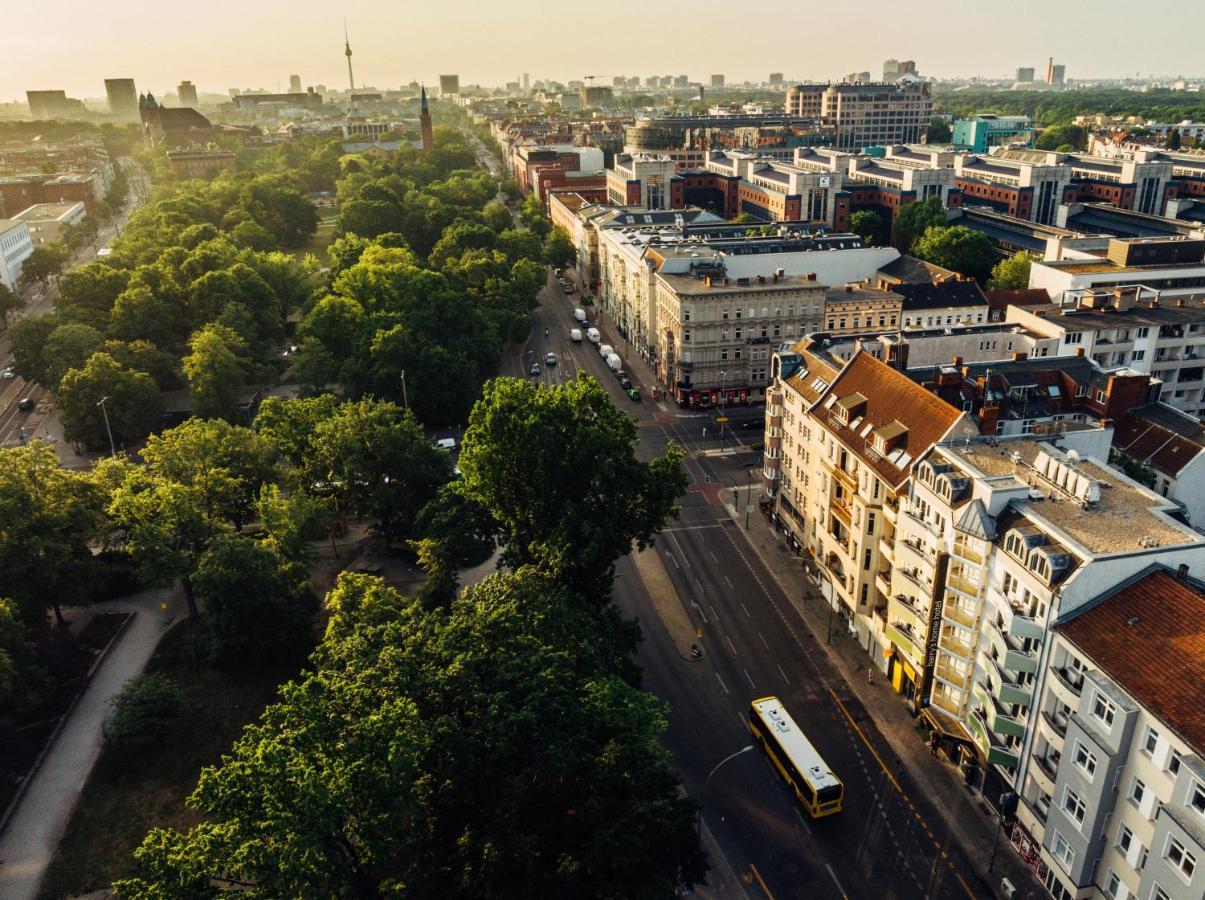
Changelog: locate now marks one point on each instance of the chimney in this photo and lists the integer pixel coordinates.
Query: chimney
(957, 362)
(811, 275)
(849, 289)
(1020, 355)
(1079, 351)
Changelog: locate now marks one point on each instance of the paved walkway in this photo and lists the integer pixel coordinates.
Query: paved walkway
(963, 812)
(33, 833)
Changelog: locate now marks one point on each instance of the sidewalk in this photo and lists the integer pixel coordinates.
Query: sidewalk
(963, 813)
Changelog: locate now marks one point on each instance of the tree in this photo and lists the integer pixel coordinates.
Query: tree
(959, 248)
(227, 464)
(914, 218)
(868, 225)
(44, 264)
(1074, 136)
(258, 603)
(1011, 273)
(144, 712)
(290, 426)
(88, 293)
(558, 249)
(557, 470)
(375, 458)
(532, 214)
(68, 347)
(487, 752)
(215, 376)
(292, 522)
(10, 302)
(23, 679)
(132, 403)
(938, 131)
(49, 518)
(497, 216)
(275, 203)
(1174, 140)
(27, 338)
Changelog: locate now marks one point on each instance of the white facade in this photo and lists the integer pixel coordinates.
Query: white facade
(15, 247)
(47, 220)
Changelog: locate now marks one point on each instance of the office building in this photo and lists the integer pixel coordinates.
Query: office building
(1056, 75)
(46, 221)
(201, 164)
(717, 81)
(294, 84)
(123, 98)
(595, 96)
(1112, 784)
(866, 115)
(53, 105)
(891, 70)
(186, 91)
(1024, 75)
(681, 82)
(981, 133)
(15, 247)
(449, 84)
(776, 78)
(1029, 186)
(641, 180)
(687, 139)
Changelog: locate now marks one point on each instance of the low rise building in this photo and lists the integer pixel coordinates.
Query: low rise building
(1169, 446)
(980, 134)
(15, 247)
(951, 302)
(858, 307)
(200, 163)
(47, 220)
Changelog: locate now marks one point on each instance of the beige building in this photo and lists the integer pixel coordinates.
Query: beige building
(47, 220)
(858, 308)
(866, 115)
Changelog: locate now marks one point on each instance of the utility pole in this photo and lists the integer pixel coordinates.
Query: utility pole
(748, 494)
(104, 410)
(405, 395)
(723, 391)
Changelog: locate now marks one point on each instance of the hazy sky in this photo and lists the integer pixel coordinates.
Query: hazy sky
(258, 43)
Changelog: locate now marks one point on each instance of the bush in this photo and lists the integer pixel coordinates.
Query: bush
(144, 711)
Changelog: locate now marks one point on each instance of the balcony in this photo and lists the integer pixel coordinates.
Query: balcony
(947, 704)
(952, 644)
(956, 613)
(886, 551)
(1049, 767)
(901, 634)
(998, 719)
(917, 549)
(891, 511)
(997, 753)
(844, 477)
(1009, 690)
(1072, 679)
(932, 529)
(962, 585)
(947, 672)
(841, 511)
(1019, 625)
(1009, 654)
(882, 581)
(1057, 723)
(913, 575)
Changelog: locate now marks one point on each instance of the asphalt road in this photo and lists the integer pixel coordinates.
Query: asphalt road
(755, 645)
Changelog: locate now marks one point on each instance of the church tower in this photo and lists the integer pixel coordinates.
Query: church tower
(424, 123)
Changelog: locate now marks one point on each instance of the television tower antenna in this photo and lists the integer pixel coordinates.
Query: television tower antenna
(347, 52)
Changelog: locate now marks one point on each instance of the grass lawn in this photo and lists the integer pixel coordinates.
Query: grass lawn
(327, 232)
(125, 797)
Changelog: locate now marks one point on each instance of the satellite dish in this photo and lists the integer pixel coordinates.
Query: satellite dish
(1073, 455)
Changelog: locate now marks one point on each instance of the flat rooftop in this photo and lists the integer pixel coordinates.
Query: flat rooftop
(698, 287)
(1125, 519)
(47, 211)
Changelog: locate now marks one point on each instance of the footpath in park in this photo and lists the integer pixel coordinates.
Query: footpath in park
(29, 840)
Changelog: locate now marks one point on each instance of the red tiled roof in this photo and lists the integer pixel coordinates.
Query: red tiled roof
(1023, 297)
(1155, 443)
(1160, 658)
(890, 396)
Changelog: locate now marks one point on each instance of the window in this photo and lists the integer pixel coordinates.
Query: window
(1150, 740)
(1112, 883)
(1143, 332)
(1173, 762)
(1180, 858)
(870, 521)
(1073, 337)
(1196, 797)
(1158, 893)
(1103, 709)
(1063, 851)
(1137, 791)
(1139, 355)
(1125, 839)
(1085, 760)
(1074, 806)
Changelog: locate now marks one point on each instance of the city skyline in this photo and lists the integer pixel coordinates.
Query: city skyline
(393, 47)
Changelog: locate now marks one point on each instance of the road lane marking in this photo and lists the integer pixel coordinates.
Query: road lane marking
(713, 559)
(715, 615)
(731, 646)
(763, 641)
(750, 679)
(728, 581)
(673, 559)
(833, 876)
(722, 685)
(700, 584)
(784, 675)
(746, 609)
(760, 881)
(674, 538)
(702, 614)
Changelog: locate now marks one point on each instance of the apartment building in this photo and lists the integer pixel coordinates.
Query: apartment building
(999, 541)
(15, 247)
(641, 180)
(857, 308)
(1170, 446)
(46, 221)
(955, 301)
(1113, 785)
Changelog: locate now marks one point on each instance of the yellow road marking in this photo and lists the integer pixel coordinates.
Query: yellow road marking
(761, 883)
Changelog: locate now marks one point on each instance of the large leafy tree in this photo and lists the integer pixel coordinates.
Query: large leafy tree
(914, 218)
(290, 426)
(557, 470)
(27, 338)
(558, 249)
(489, 752)
(959, 248)
(132, 403)
(868, 225)
(275, 203)
(1011, 273)
(68, 347)
(49, 518)
(214, 372)
(10, 303)
(87, 294)
(44, 264)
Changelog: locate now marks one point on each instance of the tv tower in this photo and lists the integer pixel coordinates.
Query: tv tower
(347, 52)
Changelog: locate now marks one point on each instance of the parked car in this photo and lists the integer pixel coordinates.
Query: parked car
(25, 404)
(575, 335)
(550, 359)
(625, 383)
(634, 394)
(535, 370)
(448, 444)
(8, 372)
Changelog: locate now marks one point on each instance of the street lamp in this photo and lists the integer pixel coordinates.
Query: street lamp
(748, 493)
(104, 410)
(707, 780)
(405, 395)
(723, 387)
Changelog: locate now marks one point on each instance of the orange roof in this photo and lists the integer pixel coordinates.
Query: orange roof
(1149, 637)
(890, 397)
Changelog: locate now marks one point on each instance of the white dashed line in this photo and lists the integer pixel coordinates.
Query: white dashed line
(750, 678)
(746, 609)
(722, 685)
(763, 641)
(784, 675)
(731, 646)
(729, 582)
(713, 559)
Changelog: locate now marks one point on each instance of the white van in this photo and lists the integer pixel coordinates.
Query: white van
(593, 335)
(614, 363)
(448, 444)
(575, 335)
(579, 314)
(605, 350)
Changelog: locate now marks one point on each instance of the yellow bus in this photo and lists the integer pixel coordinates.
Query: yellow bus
(818, 789)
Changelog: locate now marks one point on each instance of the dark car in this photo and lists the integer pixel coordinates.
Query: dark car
(535, 370)
(625, 383)
(25, 404)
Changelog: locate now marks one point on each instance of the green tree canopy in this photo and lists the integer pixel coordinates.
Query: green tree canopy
(914, 218)
(556, 468)
(1011, 273)
(959, 248)
(132, 403)
(215, 375)
(868, 225)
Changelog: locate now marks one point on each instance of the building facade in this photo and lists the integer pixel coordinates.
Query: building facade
(15, 247)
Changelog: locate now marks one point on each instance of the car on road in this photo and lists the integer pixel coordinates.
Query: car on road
(25, 404)
(753, 425)
(8, 372)
(634, 394)
(550, 359)
(625, 383)
(448, 444)
(535, 370)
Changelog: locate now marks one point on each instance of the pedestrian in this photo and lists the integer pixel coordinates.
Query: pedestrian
(870, 675)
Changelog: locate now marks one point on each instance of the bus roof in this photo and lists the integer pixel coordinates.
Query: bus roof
(806, 758)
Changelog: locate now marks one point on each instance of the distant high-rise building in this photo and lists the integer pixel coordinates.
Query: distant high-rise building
(651, 81)
(294, 84)
(449, 84)
(592, 96)
(1055, 74)
(907, 67)
(187, 92)
(776, 78)
(123, 97)
(619, 81)
(526, 82)
(681, 81)
(52, 104)
(1024, 75)
(891, 70)
(717, 81)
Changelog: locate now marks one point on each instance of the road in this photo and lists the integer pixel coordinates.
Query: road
(19, 426)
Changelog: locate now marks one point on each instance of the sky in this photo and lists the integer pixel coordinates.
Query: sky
(222, 44)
